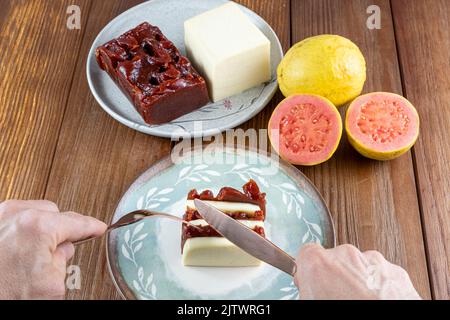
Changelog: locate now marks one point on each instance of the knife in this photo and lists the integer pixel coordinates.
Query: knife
(245, 238)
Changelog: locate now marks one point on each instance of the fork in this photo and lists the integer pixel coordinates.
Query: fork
(134, 217)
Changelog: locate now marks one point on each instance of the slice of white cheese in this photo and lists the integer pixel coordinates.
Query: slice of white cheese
(248, 223)
(228, 50)
(215, 252)
(228, 207)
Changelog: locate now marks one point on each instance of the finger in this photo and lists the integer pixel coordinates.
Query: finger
(374, 257)
(56, 286)
(14, 206)
(308, 256)
(308, 250)
(296, 281)
(348, 252)
(65, 250)
(63, 253)
(349, 255)
(346, 249)
(71, 227)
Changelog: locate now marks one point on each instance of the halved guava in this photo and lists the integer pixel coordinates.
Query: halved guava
(382, 125)
(305, 129)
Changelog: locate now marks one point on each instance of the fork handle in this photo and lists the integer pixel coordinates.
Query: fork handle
(76, 243)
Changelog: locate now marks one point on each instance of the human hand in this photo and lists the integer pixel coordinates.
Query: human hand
(345, 273)
(35, 245)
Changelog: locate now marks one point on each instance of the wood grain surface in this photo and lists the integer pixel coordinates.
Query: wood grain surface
(96, 160)
(37, 60)
(57, 143)
(423, 38)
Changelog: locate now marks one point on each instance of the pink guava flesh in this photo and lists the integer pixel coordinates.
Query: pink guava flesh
(305, 129)
(383, 121)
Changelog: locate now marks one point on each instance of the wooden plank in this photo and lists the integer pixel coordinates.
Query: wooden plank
(96, 160)
(374, 204)
(4, 13)
(38, 58)
(423, 38)
(277, 14)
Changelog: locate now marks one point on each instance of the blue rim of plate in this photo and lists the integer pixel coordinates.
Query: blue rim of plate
(295, 174)
(148, 129)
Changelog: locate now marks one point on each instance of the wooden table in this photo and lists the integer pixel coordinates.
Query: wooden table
(56, 142)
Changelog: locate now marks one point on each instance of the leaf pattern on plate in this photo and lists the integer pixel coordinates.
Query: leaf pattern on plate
(291, 198)
(196, 173)
(154, 198)
(133, 243)
(290, 293)
(246, 172)
(313, 234)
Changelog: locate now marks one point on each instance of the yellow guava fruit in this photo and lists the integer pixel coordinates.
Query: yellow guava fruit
(327, 65)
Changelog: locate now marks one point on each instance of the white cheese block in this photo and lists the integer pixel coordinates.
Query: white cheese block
(229, 51)
(248, 223)
(228, 207)
(215, 252)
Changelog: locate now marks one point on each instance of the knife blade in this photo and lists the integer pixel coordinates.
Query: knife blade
(245, 238)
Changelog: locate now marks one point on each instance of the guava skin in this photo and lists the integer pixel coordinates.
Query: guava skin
(327, 65)
(380, 156)
(309, 121)
(375, 150)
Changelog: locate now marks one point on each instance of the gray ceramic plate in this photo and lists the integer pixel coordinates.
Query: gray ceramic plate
(169, 16)
(145, 259)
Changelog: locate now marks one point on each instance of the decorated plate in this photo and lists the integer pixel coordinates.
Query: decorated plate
(145, 258)
(169, 16)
